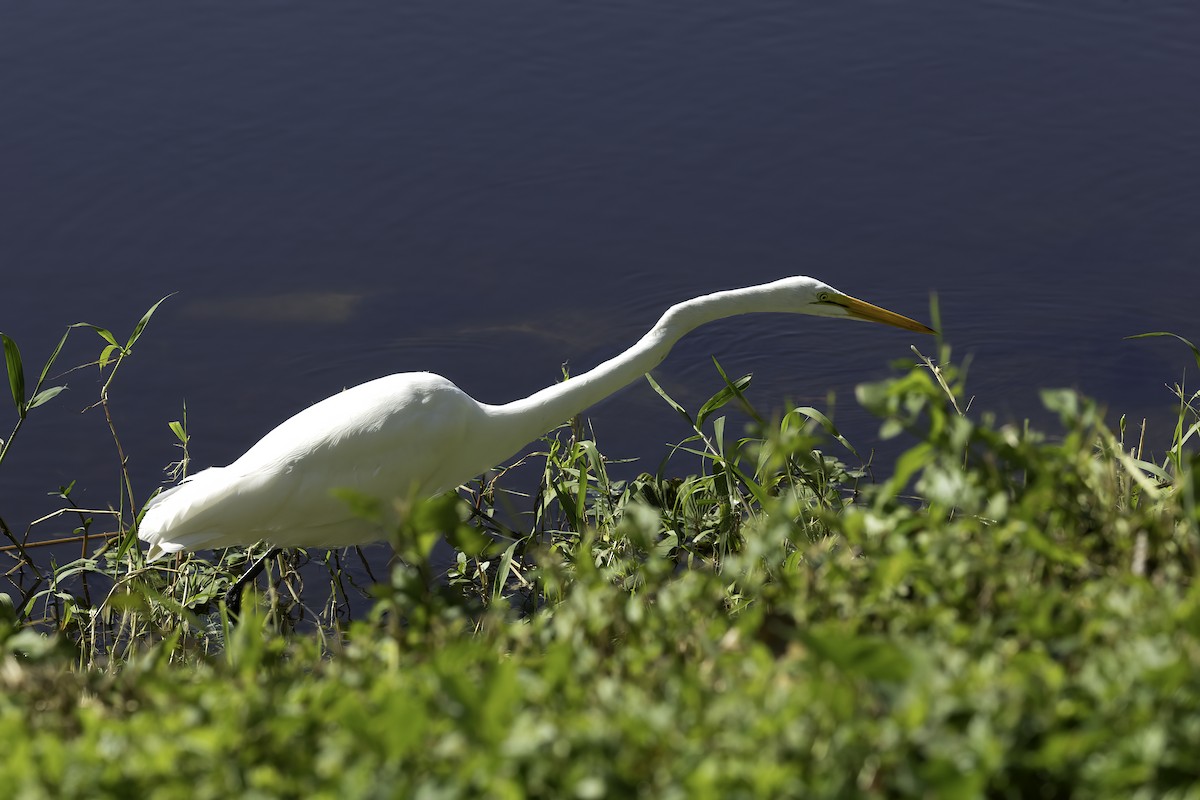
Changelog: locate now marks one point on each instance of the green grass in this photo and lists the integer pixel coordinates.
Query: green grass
(1007, 614)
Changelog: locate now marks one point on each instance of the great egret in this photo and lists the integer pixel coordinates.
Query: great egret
(417, 433)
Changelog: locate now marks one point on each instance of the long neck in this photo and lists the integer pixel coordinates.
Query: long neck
(524, 420)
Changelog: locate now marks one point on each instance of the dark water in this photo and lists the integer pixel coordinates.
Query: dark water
(485, 190)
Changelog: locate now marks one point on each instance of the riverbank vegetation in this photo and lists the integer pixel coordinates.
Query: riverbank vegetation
(1009, 613)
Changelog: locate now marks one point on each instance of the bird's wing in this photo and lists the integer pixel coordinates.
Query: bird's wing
(385, 439)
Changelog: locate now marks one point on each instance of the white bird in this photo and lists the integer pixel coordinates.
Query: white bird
(417, 434)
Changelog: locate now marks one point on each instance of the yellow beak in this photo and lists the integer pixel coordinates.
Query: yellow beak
(860, 309)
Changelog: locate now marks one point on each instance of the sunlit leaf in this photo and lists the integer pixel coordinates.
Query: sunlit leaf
(1194, 348)
(729, 392)
(738, 388)
(104, 333)
(44, 395)
(16, 373)
(50, 361)
(106, 354)
(670, 401)
(503, 570)
(141, 325)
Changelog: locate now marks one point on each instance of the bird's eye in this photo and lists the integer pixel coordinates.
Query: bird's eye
(823, 297)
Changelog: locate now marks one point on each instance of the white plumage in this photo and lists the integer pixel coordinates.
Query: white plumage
(416, 434)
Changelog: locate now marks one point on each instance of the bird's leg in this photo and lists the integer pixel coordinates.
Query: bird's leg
(233, 598)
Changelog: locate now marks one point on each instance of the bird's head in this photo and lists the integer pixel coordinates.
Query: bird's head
(811, 296)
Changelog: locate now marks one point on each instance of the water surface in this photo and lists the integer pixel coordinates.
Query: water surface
(485, 190)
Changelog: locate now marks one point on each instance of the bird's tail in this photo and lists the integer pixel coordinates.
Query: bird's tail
(177, 519)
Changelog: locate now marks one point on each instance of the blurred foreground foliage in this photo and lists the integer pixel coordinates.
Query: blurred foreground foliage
(1008, 614)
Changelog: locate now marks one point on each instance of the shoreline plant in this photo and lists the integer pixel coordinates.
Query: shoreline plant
(1007, 613)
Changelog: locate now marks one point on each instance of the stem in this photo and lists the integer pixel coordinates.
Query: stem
(8, 442)
(127, 484)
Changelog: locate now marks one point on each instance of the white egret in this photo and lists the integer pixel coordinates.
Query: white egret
(417, 433)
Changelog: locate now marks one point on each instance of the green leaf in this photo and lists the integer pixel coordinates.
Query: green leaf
(1064, 402)
(502, 572)
(912, 460)
(731, 390)
(361, 505)
(1043, 544)
(760, 494)
(177, 428)
(872, 396)
(827, 424)
(469, 540)
(106, 353)
(856, 654)
(1195, 349)
(431, 519)
(663, 394)
(104, 333)
(43, 396)
(738, 388)
(141, 326)
(50, 361)
(719, 435)
(16, 373)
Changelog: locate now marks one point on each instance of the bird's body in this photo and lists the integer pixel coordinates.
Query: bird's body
(279, 489)
(417, 434)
